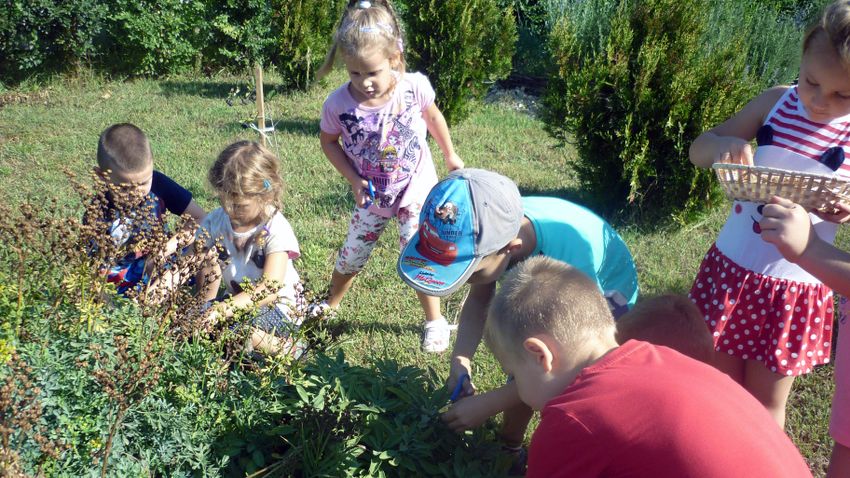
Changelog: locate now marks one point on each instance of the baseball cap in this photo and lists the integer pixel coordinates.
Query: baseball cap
(468, 215)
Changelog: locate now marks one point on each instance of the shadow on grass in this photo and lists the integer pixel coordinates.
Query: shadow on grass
(308, 128)
(336, 328)
(204, 89)
(571, 194)
(649, 219)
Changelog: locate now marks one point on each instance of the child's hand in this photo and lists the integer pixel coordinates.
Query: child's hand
(839, 218)
(787, 226)
(735, 151)
(460, 366)
(454, 162)
(467, 413)
(359, 189)
(211, 317)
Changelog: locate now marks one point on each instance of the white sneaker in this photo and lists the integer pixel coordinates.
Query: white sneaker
(437, 333)
(320, 310)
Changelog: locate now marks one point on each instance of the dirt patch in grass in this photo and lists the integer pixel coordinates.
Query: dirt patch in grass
(16, 98)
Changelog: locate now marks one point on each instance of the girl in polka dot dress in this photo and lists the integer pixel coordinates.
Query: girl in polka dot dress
(771, 320)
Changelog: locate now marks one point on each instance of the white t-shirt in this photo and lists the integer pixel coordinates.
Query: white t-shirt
(276, 235)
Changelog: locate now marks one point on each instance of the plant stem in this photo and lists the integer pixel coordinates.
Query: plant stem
(112, 430)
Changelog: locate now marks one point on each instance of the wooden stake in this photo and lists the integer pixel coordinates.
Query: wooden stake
(261, 104)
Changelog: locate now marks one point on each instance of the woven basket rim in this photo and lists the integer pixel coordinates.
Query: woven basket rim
(767, 169)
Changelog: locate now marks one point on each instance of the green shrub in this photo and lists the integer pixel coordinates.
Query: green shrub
(305, 29)
(638, 81)
(241, 32)
(155, 37)
(46, 35)
(462, 45)
(93, 384)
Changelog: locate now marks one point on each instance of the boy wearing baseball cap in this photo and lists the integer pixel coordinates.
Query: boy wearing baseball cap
(474, 226)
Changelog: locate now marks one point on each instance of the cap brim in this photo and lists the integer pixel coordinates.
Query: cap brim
(441, 255)
(432, 278)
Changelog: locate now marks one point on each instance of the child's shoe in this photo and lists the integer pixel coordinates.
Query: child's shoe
(321, 310)
(519, 459)
(437, 333)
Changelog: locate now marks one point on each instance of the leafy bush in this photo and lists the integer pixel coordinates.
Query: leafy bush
(160, 37)
(638, 81)
(241, 32)
(530, 14)
(45, 35)
(462, 45)
(305, 29)
(154, 37)
(94, 384)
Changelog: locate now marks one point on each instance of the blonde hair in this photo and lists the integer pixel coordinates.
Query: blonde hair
(670, 320)
(545, 296)
(123, 147)
(366, 26)
(246, 168)
(835, 24)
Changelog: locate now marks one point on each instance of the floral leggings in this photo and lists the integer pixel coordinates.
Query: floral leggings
(365, 229)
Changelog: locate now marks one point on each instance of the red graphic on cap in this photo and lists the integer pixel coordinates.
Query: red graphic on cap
(433, 248)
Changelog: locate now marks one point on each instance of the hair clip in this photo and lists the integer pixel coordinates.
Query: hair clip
(364, 4)
(400, 44)
(267, 184)
(380, 27)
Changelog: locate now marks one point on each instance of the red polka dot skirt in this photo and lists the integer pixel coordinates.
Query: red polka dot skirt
(785, 325)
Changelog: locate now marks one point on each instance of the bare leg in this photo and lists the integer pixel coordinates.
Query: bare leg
(161, 286)
(340, 283)
(514, 423)
(770, 388)
(266, 343)
(730, 365)
(839, 463)
(209, 280)
(431, 306)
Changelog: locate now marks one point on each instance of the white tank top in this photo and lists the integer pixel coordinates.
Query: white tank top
(787, 140)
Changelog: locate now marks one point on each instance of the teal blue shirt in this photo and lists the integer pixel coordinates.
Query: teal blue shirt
(575, 235)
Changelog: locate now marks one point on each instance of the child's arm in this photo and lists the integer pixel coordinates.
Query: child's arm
(729, 142)
(469, 333)
(274, 272)
(787, 226)
(337, 157)
(195, 211)
(472, 412)
(439, 129)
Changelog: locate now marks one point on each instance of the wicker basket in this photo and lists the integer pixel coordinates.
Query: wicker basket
(759, 184)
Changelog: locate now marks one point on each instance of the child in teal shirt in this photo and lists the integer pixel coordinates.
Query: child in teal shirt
(474, 226)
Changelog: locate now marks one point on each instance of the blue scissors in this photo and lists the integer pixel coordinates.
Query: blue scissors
(371, 191)
(459, 387)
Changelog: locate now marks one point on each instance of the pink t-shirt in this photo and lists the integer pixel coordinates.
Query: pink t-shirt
(387, 144)
(648, 411)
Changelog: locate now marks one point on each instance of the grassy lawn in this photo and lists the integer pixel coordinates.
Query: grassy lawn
(188, 122)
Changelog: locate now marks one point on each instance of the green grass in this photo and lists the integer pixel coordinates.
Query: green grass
(189, 122)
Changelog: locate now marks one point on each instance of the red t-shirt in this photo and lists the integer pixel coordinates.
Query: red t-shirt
(647, 411)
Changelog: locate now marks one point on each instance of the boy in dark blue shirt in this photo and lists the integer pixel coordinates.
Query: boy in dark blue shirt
(124, 156)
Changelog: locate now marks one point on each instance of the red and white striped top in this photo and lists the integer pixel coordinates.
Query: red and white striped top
(795, 132)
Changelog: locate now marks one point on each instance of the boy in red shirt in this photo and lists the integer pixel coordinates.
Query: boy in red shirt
(634, 410)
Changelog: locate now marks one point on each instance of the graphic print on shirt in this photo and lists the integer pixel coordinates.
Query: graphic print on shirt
(387, 146)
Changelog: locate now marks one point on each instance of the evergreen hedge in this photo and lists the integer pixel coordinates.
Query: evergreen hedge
(638, 81)
(462, 45)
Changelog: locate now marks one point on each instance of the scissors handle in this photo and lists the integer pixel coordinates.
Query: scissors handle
(459, 387)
